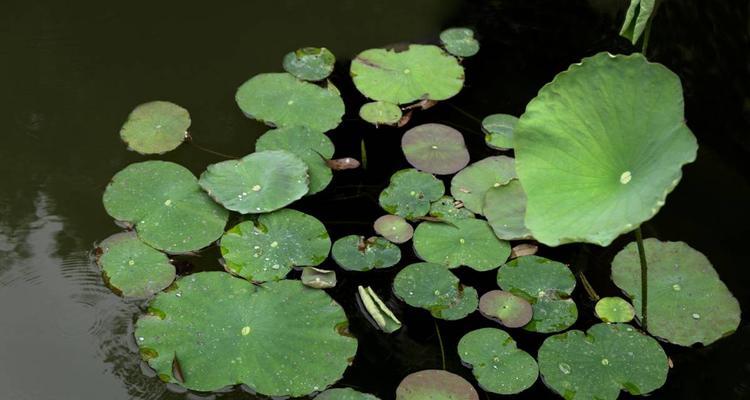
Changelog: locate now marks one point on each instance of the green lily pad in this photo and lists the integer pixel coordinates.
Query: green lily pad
(314, 148)
(422, 72)
(435, 148)
(435, 384)
(394, 228)
(381, 113)
(310, 63)
(436, 289)
(599, 149)
(472, 183)
(636, 19)
(687, 302)
(614, 309)
(497, 364)
(410, 193)
(155, 127)
(280, 99)
(344, 394)
(506, 308)
(460, 42)
(355, 253)
(449, 209)
(602, 362)
(505, 209)
(498, 130)
(467, 303)
(257, 183)
(133, 268)
(547, 285)
(166, 205)
(318, 278)
(278, 242)
(383, 317)
(468, 242)
(281, 339)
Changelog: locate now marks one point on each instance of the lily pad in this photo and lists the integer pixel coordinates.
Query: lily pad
(687, 302)
(505, 209)
(498, 130)
(435, 148)
(460, 42)
(318, 278)
(468, 242)
(636, 19)
(435, 384)
(497, 364)
(269, 249)
(436, 289)
(383, 317)
(602, 362)
(472, 183)
(466, 304)
(449, 209)
(506, 308)
(166, 205)
(344, 394)
(381, 113)
(599, 149)
(257, 183)
(547, 285)
(314, 148)
(281, 339)
(421, 72)
(133, 268)
(310, 63)
(280, 99)
(155, 127)
(614, 309)
(410, 193)
(355, 253)
(394, 228)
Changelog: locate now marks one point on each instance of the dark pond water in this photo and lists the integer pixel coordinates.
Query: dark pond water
(71, 71)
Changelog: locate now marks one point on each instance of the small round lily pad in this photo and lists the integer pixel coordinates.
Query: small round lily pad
(381, 113)
(614, 309)
(497, 364)
(318, 278)
(506, 308)
(133, 268)
(314, 148)
(505, 208)
(547, 285)
(435, 384)
(498, 131)
(468, 242)
(410, 193)
(394, 228)
(436, 289)
(344, 394)
(435, 148)
(449, 209)
(600, 363)
(166, 205)
(460, 42)
(355, 253)
(310, 63)
(270, 248)
(471, 184)
(257, 183)
(155, 127)
(280, 99)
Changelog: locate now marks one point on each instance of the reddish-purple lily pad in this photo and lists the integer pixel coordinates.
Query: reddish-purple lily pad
(394, 228)
(506, 308)
(435, 148)
(435, 384)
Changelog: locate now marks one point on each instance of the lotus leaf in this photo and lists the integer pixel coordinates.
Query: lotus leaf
(460, 42)
(614, 309)
(355, 253)
(394, 228)
(449, 209)
(344, 394)
(468, 242)
(436, 289)
(636, 19)
(383, 317)
(132, 267)
(505, 208)
(435, 384)
(381, 113)
(310, 63)
(318, 278)
(410, 192)
(506, 308)
(435, 148)
(471, 184)
(155, 127)
(498, 130)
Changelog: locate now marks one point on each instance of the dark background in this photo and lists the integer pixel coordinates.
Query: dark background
(70, 72)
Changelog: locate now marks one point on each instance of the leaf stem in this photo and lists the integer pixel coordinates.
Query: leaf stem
(644, 278)
(207, 150)
(440, 341)
(587, 286)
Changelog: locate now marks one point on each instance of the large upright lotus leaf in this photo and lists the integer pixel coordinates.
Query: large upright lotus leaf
(449, 209)
(381, 113)
(269, 249)
(281, 339)
(410, 192)
(355, 253)
(497, 364)
(460, 42)
(435, 148)
(132, 267)
(598, 364)
(280, 99)
(394, 228)
(468, 242)
(435, 384)
(547, 285)
(436, 289)
(636, 19)
(471, 184)
(314, 148)
(505, 209)
(422, 72)
(600, 147)
(257, 183)
(498, 130)
(166, 205)
(687, 302)
(344, 394)
(310, 63)
(155, 127)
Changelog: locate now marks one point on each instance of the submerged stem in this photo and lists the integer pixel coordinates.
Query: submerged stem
(440, 341)
(207, 150)
(644, 278)
(587, 286)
